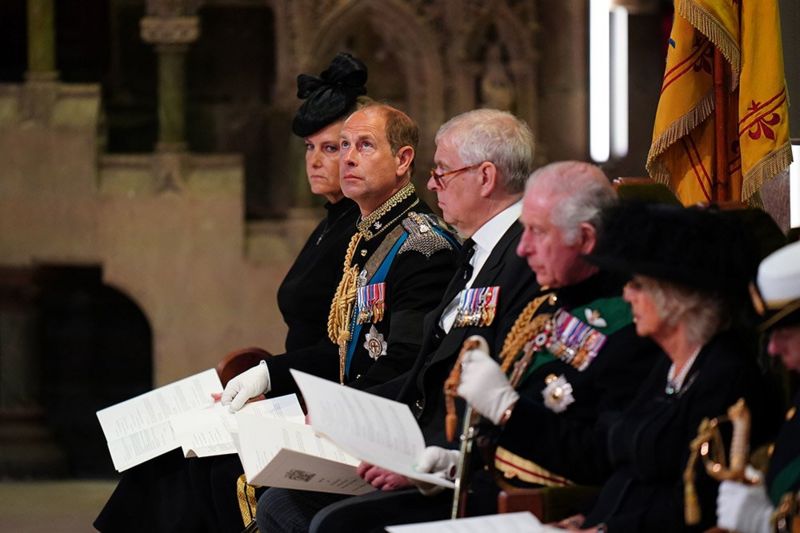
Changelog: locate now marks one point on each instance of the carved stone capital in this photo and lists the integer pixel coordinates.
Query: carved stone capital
(170, 30)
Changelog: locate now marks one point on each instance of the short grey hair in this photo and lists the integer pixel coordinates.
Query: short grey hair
(581, 191)
(495, 136)
(703, 314)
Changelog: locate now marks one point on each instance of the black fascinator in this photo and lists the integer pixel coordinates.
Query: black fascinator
(329, 96)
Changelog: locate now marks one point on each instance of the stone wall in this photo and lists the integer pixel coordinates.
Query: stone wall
(168, 230)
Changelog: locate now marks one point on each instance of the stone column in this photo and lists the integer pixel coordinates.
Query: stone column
(41, 41)
(564, 81)
(171, 36)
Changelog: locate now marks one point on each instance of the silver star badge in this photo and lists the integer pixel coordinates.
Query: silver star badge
(558, 393)
(375, 344)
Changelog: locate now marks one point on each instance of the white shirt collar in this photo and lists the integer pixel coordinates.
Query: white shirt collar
(490, 233)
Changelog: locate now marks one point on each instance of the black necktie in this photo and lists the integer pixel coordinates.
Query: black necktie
(467, 251)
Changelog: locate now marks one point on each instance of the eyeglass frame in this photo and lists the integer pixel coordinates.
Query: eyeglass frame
(438, 178)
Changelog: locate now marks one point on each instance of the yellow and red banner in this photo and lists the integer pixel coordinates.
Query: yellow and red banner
(747, 32)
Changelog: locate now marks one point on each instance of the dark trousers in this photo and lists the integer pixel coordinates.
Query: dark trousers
(295, 511)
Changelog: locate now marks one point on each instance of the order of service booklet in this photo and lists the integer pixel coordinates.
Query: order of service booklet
(373, 429)
(184, 415)
(289, 455)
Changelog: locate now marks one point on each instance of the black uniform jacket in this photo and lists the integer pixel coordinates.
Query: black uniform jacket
(783, 474)
(614, 375)
(415, 282)
(608, 383)
(640, 453)
(304, 296)
(422, 387)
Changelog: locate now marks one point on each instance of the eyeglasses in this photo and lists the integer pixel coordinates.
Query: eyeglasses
(438, 177)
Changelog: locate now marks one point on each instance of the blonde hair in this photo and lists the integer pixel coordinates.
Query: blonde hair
(702, 314)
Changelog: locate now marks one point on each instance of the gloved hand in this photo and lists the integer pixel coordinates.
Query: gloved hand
(246, 385)
(743, 508)
(484, 385)
(438, 461)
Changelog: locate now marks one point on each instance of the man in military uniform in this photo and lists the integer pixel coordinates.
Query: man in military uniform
(395, 270)
(775, 504)
(482, 159)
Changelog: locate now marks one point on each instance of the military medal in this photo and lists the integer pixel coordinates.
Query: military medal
(574, 341)
(374, 343)
(370, 303)
(477, 307)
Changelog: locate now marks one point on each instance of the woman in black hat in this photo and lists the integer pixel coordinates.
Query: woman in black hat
(775, 503)
(171, 493)
(688, 278)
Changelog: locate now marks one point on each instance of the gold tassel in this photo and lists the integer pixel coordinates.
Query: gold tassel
(342, 304)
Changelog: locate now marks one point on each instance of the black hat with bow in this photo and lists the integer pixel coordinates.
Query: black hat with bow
(329, 96)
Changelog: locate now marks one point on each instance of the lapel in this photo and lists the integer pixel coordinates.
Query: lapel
(487, 277)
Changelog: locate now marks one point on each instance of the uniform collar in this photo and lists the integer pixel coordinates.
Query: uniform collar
(388, 213)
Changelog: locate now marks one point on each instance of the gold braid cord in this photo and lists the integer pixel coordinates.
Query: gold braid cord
(451, 390)
(523, 329)
(342, 304)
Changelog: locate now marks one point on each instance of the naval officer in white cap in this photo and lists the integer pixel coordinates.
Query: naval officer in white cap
(773, 505)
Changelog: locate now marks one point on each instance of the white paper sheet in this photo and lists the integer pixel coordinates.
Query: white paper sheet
(212, 430)
(139, 429)
(290, 455)
(374, 429)
(505, 523)
(183, 415)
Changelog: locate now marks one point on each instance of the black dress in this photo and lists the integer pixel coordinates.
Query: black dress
(157, 495)
(639, 455)
(304, 296)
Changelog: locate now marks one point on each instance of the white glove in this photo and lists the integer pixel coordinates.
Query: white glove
(484, 385)
(743, 508)
(246, 385)
(438, 461)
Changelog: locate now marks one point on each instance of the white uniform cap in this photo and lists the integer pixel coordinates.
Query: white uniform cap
(779, 282)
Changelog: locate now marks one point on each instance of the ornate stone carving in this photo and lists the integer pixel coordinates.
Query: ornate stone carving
(170, 30)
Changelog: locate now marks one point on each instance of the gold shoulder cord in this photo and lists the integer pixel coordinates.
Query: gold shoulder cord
(342, 304)
(525, 327)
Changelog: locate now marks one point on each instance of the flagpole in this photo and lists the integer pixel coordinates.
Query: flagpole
(720, 186)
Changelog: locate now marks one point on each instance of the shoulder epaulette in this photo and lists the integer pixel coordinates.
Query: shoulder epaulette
(425, 235)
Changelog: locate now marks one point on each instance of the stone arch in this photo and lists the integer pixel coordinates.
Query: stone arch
(514, 33)
(95, 345)
(416, 48)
